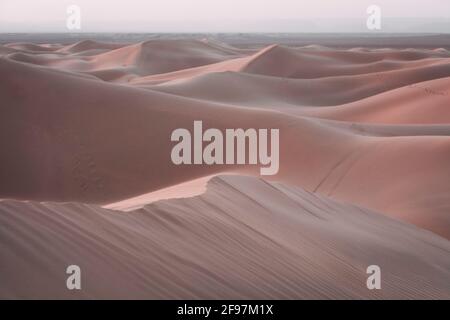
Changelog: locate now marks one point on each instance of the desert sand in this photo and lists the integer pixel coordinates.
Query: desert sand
(87, 179)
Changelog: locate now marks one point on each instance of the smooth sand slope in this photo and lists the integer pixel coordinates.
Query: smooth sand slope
(90, 123)
(79, 138)
(243, 238)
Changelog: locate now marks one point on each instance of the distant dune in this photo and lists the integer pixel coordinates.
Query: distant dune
(364, 170)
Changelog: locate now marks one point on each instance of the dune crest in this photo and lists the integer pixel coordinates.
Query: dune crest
(87, 176)
(243, 238)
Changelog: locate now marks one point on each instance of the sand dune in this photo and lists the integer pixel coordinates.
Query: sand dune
(364, 132)
(276, 93)
(419, 103)
(243, 238)
(102, 161)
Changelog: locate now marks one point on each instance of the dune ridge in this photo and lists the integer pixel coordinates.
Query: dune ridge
(243, 238)
(105, 161)
(364, 146)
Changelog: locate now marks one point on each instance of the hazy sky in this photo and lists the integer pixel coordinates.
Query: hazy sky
(183, 15)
